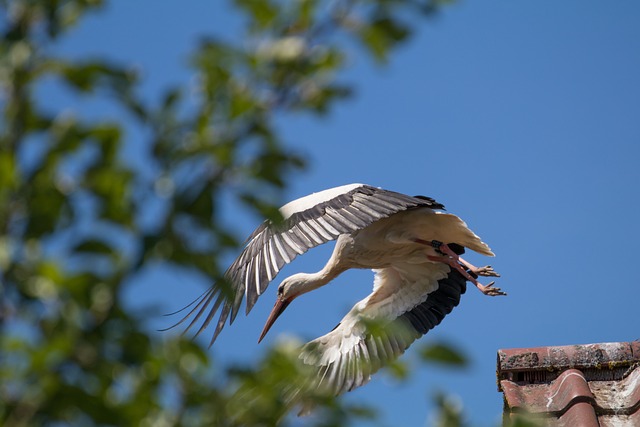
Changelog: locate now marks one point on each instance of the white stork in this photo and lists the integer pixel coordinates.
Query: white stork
(410, 244)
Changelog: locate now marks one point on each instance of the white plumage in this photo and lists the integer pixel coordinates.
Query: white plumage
(314, 199)
(412, 246)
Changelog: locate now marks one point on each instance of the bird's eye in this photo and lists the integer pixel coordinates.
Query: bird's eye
(280, 291)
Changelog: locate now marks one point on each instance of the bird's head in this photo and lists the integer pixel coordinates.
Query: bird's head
(289, 289)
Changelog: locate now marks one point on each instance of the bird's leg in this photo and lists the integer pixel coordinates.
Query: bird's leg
(454, 261)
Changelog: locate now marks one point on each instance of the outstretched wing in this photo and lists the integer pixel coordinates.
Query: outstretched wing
(308, 222)
(380, 328)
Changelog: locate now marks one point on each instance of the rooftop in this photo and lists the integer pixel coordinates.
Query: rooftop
(577, 385)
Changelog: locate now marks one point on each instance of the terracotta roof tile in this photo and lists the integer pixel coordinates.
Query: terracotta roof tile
(582, 414)
(580, 385)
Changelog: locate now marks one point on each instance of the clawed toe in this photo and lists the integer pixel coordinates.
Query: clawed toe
(486, 271)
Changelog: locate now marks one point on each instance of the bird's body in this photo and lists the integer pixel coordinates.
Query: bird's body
(392, 240)
(411, 245)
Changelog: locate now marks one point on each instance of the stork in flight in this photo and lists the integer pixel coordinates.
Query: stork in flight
(412, 246)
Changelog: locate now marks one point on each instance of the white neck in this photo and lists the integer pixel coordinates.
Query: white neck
(307, 282)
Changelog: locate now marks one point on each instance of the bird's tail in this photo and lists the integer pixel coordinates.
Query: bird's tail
(455, 230)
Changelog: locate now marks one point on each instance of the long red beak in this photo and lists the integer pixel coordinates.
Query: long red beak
(278, 309)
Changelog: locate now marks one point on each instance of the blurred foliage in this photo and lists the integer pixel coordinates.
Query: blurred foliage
(524, 419)
(450, 414)
(79, 218)
(444, 354)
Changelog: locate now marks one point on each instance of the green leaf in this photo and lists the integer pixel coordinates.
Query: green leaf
(8, 172)
(261, 12)
(398, 369)
(381, 35)
(91, 75)
(449, 411)
(46, 205)
(93, 246)
(444, 354)
(524, 420)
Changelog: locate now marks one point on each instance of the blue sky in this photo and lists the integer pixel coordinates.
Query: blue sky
(521, 117)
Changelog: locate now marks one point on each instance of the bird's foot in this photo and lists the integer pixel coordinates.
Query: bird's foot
(490, 290)
(486, 271)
